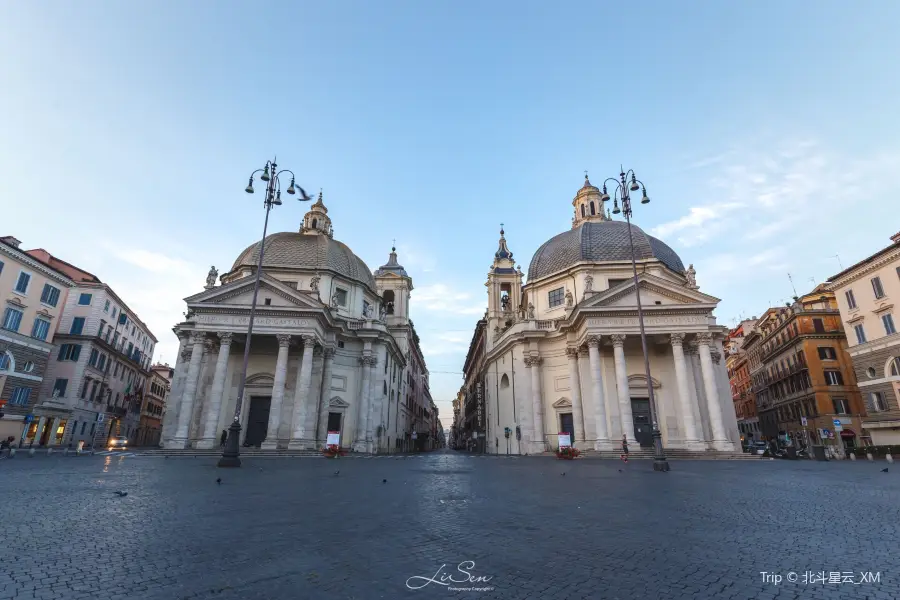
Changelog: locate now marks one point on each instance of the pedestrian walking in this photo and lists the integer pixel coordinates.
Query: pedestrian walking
(624, 448)
(224, 437)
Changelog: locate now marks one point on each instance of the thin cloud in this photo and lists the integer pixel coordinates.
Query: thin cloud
(440, 297)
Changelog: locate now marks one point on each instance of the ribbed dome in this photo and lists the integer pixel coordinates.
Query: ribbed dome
(313, 252)
(603, 241)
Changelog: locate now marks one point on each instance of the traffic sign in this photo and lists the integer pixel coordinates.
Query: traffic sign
(837, 425)
(29, 418)
(100, 417)
(803, 421)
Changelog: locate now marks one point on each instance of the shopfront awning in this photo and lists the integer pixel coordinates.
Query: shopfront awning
(848, 433)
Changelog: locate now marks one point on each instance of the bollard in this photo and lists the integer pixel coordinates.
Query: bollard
(869, 456)
(12, 453)
(31, 453)
(49, 451)
(852, 456)
(889, 458)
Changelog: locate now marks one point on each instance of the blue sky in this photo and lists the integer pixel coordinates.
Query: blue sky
(766, 132)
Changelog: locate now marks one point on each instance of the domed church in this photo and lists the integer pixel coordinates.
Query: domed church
(562, 352)
(333, 350)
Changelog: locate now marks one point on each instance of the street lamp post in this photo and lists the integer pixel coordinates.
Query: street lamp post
(272, 176)
(623, 189)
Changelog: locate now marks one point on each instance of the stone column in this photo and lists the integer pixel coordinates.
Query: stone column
(54, 425)
(603, 442)
(210, 437)
(716, 422)
(575, 386)
(299, 437)
(373, 419)
(362, 421)
(186, 409)
(618, 342)
(284, 345)
(170, 418)
(322, 425)
(685, 402)
(534, 363)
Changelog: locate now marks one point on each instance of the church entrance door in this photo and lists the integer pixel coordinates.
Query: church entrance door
(258, 420)
(334, 422)
(643, 429)
(567, 425)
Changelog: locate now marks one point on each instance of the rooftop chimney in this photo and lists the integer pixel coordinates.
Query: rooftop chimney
(896, 238)
(15, 243)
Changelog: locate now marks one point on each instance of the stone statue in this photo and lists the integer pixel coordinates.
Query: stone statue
(530, 310)
(334, 300)
(504, 303)
(390, 308)
(691, 275)
(569, 299)
(588, 283)
(211, 278)
(314, 282)
(381, 312)
(367, 311)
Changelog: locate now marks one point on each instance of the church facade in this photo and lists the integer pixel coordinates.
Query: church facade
(562, 352)
(333, 350)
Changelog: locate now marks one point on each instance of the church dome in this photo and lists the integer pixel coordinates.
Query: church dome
(599, 241)
(311, 252)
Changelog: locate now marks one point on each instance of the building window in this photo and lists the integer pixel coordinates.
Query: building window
(83, 425)
(114, 312)
(556, 296)
(77, 326)
(60, 386)
(851, 299)
(28, 367)
(340, 296)
(834, 378)
(1, 267)
(4, 361)
(895, 366)
(20, 396)
(878, 403)
(860, 333)
(50, 295)
(819, 325)
(827, 353)
(877, 288)
(69, 352)
(84, 388)
(85, 299)
(840, 406)
(12, 318)
(106, 307)
(888, 321)
(92, 360)
(22, 282)
(40, 329)
(267, 302)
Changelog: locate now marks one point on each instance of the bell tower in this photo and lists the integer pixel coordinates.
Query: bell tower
(588, 205)
(394, 284)
(504, 284)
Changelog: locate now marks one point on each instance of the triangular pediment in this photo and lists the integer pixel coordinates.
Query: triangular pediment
(240, 293)
(640, 381)
(562, 403)
(337, 402)
(261, 380)
(655, 291)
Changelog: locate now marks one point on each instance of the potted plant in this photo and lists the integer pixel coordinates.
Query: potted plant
(332, 451)
(567, 453)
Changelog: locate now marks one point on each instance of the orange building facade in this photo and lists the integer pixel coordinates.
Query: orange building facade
(738, 364)
(802, 375)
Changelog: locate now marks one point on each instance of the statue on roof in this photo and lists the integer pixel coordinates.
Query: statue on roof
(570, 300)
(691, 275)
(588, 283)
(314, 282)
(211, 278)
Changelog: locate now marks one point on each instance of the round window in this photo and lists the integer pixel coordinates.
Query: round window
(28, 367)
(870, 372)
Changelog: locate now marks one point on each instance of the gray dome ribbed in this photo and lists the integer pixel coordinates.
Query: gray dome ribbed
(312, 252)
(602, 241)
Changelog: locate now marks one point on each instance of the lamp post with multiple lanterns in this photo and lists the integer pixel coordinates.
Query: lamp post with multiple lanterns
(272, 177)
(622, 192)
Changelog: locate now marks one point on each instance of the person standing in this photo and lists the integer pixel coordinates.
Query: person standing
(624, 448)
(224, 437)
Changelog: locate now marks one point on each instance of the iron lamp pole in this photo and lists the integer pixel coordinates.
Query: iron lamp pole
(272, 176)
(623, 189)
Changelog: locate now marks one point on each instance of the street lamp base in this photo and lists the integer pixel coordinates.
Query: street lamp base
(660, 464)
(231, 455)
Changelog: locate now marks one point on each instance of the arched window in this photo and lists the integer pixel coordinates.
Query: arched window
(388, 298)
(593, 212)
(385, 387)
(895, 366)
(5, 361)
(315, 222)
(583, 211)
(504, 381)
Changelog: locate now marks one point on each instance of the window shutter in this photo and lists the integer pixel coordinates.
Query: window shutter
(870, 405)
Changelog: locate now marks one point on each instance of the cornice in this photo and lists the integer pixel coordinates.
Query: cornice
(859, 271)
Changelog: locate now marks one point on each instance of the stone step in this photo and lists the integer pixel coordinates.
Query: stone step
(246, 452)
(674, 453)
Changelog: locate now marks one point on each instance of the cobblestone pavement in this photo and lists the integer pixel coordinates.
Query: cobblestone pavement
(292, 529)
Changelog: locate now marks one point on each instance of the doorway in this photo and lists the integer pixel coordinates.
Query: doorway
(334, 423)
(257, 420)
(643, 430)
(567, 425)
(45, 432)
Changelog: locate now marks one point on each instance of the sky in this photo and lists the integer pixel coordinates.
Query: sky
(766, 133)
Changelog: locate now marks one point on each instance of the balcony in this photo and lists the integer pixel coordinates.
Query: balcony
(116, 411)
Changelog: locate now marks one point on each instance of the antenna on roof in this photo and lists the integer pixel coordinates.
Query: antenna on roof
(792, 284)
(838, 256)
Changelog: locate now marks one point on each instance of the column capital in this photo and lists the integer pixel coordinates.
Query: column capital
(618, 340)
(594, 340)
(572, 353)
(368, 361)
(704, 339)
(186, 353)
(197, 337)
(317, 351)
(209, 344)
(676, 339)
(284, 339)
(225, 337)
(533, 361)
(183, 336)
(308, 339)
(328, 352)
(716, 357)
